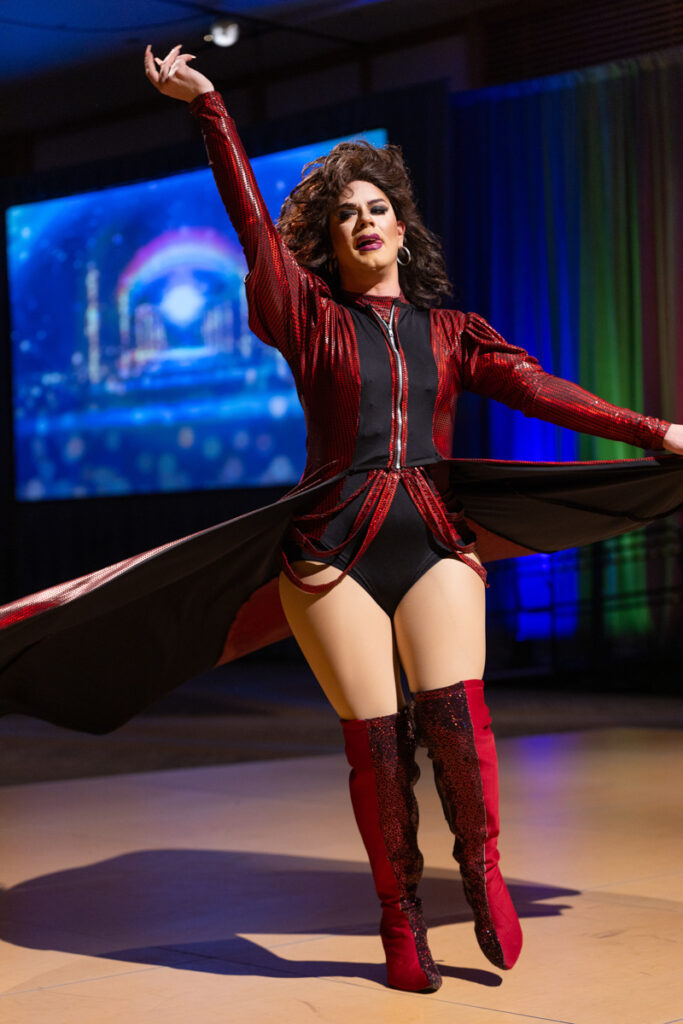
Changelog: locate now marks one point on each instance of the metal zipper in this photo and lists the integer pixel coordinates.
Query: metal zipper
(388, 329)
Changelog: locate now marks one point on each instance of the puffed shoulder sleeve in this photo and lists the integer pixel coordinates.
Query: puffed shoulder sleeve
(491, 366)
(284, 299)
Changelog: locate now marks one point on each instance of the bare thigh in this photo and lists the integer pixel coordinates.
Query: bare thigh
(440, 627)
(347, 640)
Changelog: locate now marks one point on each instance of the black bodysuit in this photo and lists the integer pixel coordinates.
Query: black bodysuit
(405, 547)
(403, 550)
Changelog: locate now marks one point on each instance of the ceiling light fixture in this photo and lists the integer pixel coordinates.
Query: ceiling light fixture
(223, 33)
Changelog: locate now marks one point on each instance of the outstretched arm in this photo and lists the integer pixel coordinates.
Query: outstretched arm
(493, 367)
(283, 298)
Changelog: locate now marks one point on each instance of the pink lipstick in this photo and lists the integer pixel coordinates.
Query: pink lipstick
(368, 243)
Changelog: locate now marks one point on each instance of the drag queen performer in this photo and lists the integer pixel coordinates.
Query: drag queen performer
(373, 557)
(374, 572)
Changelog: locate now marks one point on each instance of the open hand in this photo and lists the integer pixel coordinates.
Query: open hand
(172, 76)
(673, 439)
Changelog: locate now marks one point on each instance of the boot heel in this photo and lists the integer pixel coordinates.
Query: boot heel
(410, 966)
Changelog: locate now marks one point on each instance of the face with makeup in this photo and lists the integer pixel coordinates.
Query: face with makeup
(366, 237)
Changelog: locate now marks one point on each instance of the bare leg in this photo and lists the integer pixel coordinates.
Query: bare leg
(440, 632)
(440, 626)
(349, 644)
(347, 640)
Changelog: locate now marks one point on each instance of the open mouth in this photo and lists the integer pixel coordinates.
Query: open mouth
(369, 244)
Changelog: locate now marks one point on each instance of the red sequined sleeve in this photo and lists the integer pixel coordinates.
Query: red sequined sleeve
(492, 367)
(283, 298)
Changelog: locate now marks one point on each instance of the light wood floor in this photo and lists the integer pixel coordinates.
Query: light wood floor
(239, 893)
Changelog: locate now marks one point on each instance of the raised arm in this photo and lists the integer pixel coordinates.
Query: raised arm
(284, 299)
(492, 367)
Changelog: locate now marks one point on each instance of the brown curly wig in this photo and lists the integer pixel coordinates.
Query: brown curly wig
(304, 219)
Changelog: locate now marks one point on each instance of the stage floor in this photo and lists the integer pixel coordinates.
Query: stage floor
(240, 893)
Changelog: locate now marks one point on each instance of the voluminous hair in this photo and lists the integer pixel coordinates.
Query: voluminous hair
(304, 219)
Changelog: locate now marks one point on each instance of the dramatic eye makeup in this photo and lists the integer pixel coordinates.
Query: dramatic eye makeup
(345, 211)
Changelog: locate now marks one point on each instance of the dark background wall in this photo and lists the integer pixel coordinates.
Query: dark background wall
(93, 120)
(70, 94)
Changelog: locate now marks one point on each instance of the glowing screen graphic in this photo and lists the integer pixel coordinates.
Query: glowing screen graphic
(134, 370)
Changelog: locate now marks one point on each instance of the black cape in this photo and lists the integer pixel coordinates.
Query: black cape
(90, 653)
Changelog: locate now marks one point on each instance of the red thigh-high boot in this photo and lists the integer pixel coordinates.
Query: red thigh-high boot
(381, 752)
(455, 725)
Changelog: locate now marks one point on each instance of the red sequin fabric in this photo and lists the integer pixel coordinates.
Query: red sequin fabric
(460, 743)
(381, 752)
(295, 311)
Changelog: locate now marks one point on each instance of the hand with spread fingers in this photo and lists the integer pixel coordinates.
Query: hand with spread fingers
(173, 77)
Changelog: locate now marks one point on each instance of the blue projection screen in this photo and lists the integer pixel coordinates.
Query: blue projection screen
(134, 370)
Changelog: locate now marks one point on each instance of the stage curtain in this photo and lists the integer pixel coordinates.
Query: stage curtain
(567, 234)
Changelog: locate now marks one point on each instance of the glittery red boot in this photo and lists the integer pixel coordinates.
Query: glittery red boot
(455, 725)
(381, 752)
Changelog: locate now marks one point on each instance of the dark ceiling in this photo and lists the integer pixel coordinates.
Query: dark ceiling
(66, 62)
(42, 37)
(78, 59)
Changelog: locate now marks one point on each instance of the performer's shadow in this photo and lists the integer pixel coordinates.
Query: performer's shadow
(191, 909)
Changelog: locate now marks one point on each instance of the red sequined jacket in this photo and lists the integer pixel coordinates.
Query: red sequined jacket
(428, 357)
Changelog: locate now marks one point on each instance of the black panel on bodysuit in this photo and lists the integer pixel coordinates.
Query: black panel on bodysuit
(414, 339)
(375, 358)
(385, 576)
